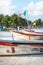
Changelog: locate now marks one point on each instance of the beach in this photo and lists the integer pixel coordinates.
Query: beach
(21, 60)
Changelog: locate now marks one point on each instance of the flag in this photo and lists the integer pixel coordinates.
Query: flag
(20, 14)
(24, 13)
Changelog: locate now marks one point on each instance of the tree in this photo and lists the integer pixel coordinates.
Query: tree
(1, 18)
(37, 22)
(42, 23)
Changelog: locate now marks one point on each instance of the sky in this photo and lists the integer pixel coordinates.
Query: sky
(34, 8)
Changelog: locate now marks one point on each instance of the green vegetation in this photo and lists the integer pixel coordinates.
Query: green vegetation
(14, 20)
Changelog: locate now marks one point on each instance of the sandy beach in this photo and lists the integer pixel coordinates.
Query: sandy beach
(21, 60)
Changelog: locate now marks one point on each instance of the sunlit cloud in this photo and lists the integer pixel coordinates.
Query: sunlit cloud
(6, 7)
(35, 8)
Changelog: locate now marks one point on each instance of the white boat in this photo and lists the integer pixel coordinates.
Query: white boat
(14, 47)
(21, 42)
(27, 34)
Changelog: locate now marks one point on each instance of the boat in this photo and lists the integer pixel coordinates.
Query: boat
(27, 34)
(14, 47)
(16, 42)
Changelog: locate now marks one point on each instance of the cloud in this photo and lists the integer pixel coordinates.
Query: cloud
(35, 8)
(6, 7)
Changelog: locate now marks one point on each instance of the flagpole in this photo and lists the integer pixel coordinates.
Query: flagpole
(26, 18)
(28, 27)
(28, 24)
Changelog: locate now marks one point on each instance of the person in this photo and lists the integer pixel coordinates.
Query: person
(18, 28)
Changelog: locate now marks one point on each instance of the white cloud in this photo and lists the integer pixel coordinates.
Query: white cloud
(6, 7)
(35, 9)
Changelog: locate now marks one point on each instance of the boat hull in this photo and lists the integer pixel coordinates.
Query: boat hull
(15, 48)
(27, 35)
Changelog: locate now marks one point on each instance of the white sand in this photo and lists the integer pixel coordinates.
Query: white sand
(29, 60)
